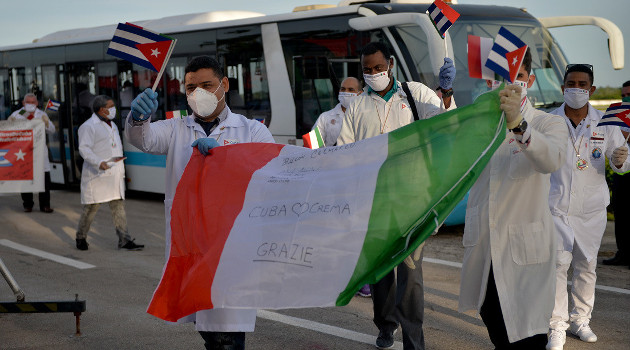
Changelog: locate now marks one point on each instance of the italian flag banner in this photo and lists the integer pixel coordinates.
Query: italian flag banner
(290, 227)
(313, 139)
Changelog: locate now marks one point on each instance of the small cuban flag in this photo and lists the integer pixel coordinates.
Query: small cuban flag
(176, 114)
(313, 139)
(52, 105)
(506, 55)
(140, 46)
(442, 16)
(617, 115)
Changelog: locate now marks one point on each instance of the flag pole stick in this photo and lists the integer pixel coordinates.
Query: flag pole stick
(445, 47)
(168, 57)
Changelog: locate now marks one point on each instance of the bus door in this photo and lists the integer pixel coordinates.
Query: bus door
(51, 90)
(82, 90)
(5, 95)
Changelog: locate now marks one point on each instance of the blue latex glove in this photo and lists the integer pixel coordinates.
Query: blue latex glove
(144, 105)
(447, 74)
(204, 145)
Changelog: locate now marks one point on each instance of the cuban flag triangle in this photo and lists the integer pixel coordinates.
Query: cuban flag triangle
(140, 46)
(506, 55)
(52, 105)
(617, 114)
(313, 139)
(478, 51)
(442, 16)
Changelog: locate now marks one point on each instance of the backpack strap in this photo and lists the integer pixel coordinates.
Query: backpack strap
(412, 103)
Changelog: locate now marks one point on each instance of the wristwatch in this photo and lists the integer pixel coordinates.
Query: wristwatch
(447, 93)
(521, 127)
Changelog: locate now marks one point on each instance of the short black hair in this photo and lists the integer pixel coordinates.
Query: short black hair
(201, 62)
(527, 61)
(579, 68)
(99, 102)
(374, 47)
(626, 84)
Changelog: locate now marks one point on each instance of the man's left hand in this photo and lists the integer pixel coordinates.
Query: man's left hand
(619, 156)
(447, 74)
(204, 145)
(46, 120)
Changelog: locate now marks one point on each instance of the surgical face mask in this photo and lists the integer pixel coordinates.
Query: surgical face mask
(30, 107)
(378, 81)
(112, 113)
(576, 98)
(625, 99)
(523, 86)
(345, 98)
(204, 102)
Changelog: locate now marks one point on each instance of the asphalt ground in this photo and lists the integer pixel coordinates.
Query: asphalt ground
(119, 287)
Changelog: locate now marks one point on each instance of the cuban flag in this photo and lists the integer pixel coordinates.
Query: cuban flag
(617, 115)
(53, 105)
(442, 16)
(140, 46)
(506, 55)
(478, 51)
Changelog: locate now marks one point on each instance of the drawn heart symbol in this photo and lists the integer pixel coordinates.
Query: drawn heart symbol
(300, 208)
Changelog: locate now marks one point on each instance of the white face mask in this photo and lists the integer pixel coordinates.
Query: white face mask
(378, 81)
(30, 107)
(112, 113)
(576, 98)
(345, 98)
(204, 102)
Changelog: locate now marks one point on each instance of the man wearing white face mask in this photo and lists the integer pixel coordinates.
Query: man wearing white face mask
(30, 111)
(329, 122)
(386, 105)
(211, 125)
(103, 173)
(578, 199)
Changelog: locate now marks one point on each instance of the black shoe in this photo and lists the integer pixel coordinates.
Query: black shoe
(385, 340)
(617, 260)
(82, 244)
(131, 245)
(28, 210)
(46, 210)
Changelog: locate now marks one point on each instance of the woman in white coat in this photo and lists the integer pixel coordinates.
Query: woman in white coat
(211, 125)
(578, 199)
(508, 273)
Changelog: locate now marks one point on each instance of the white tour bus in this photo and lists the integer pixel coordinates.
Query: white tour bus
(284, 70)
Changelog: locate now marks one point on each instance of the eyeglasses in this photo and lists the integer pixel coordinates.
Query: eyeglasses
(574, 65)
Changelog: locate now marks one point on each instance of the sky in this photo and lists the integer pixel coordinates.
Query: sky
(584, 44)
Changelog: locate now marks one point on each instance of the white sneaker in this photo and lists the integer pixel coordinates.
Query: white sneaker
(556, 339)
(584, 332)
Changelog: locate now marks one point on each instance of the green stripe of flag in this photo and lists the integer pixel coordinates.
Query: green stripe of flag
(318, 135)
(426, 160)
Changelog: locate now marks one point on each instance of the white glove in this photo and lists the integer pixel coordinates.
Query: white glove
(511, 105)
(46, 120)
(619, 156)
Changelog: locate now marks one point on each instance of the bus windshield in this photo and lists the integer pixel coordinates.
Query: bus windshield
(548, 61)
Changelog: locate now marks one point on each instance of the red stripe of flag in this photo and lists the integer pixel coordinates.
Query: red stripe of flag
(447, 11)
(474, 56)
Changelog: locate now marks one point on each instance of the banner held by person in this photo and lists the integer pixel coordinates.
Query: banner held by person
(302, 228)
(22, 151)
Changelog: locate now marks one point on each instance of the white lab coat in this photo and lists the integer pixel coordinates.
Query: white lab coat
(49, 130)
(578, 198)
(508, 225)
(173, 137)
(98, 142)
(369, 114)
(329, 124)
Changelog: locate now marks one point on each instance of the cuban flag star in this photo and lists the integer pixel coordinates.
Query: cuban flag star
(506, 55)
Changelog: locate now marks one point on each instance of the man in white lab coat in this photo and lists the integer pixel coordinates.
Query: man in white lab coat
(30, 111)
(385, 106)
(578, 199)
(329, 122)
(103, 173)
(508, 273)
(212, 124)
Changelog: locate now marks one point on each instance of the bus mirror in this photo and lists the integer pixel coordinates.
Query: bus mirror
(615, 37)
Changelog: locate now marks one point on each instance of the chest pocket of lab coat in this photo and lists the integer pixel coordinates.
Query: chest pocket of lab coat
(595, 198)
(520, 167)
(528, 243)
(471, 227)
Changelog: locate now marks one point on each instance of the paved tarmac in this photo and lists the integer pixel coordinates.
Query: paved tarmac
(120, 285)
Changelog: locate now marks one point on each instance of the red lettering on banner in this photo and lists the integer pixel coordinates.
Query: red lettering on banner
(16, 155)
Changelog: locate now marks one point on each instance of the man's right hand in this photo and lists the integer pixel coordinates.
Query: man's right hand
(511, 105)
(144, 105)
(104, 166)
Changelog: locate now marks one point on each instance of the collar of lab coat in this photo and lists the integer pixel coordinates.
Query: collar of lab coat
(96, 120)
(399, 90)
(230, 121)
(590, 121)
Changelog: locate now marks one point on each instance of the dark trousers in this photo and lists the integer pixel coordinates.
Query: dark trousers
(44, 197)
(401, 299)
(223, 340)
(493, 318)
(621, 208)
